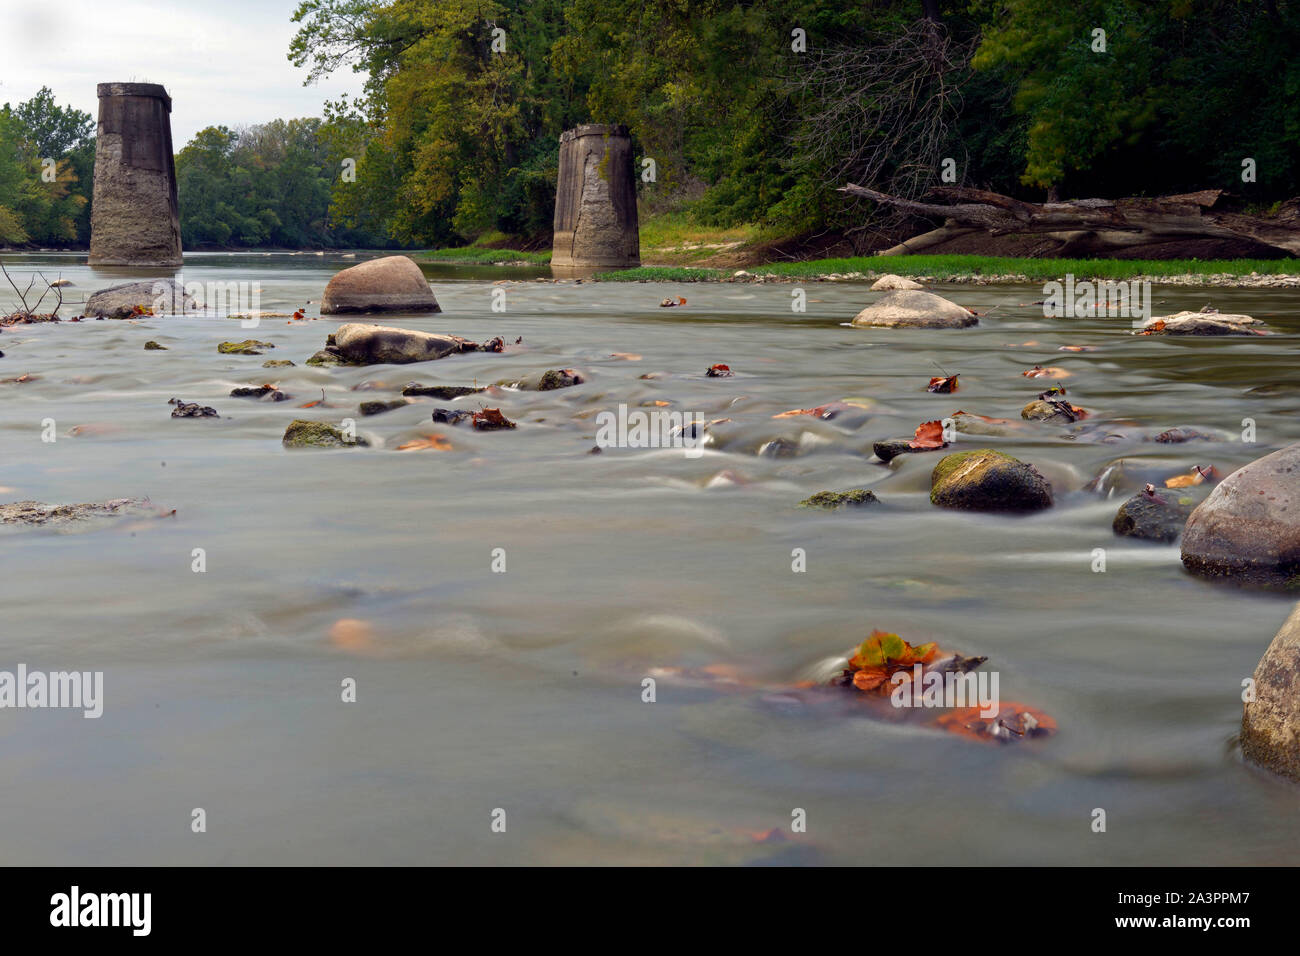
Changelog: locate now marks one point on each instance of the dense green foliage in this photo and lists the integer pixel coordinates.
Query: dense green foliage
(755, 112)
(47, 161)
(460, 137)
(266, 185)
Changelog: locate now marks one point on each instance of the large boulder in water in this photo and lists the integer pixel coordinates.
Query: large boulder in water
(357, 343)
(390, 284)
(912, 309)
(987, 480)
(1248, 529)
(155, 296)
(1270, 724)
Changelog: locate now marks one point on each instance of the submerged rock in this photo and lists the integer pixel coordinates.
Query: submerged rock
(451, 416)
(893, 283)
(891, 448)
(360, 344)
(40, 513)
(246, 347)
(277, 363)
(778, 448)
(306, 434)
(1270, 724)
(444, 392)
(379, 407)
(988, 480)
(191, 409)
(390, 284)
(1202, 323)
(1248, 529)
(1152, 516)
(152, 346)
(150, 297)
(916, 310)
(1044, 410)
(267, 393)
(831, 500)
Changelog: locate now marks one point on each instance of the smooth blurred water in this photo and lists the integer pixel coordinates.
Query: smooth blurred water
(522, 690)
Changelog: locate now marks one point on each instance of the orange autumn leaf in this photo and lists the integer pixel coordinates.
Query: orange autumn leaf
(885, 650)
(928, 435)
(351, 634)
(426, 443)
(1197, 476)
(1157, 326)
(943, 385)
(1051, 371)
(1077, 348)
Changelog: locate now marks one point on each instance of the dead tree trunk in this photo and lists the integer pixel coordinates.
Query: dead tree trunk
(1098, 227)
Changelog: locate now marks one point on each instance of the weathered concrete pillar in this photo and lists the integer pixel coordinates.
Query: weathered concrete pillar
(135, 220)
(595, 202)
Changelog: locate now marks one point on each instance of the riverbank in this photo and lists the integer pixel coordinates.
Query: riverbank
(989, 270)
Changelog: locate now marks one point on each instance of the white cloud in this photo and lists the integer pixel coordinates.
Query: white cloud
(224, 62)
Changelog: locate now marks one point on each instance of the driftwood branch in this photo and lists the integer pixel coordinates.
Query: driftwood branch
(1096, 226)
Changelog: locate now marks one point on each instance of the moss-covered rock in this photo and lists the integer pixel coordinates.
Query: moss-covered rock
(246, 347)
(325, 359)
(559, 378)
(152, 346)
(277, 363)
(832, 500)
(306, 434)
(988, 480)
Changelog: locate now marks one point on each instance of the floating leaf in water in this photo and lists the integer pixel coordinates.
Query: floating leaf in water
(426, 443)
(943, 385)
(1050, 371)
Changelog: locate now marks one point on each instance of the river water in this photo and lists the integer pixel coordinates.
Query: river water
(479, 691)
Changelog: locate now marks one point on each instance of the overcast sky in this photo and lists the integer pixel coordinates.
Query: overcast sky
(224, 62)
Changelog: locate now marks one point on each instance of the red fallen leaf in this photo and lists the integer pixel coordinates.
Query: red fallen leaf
(1157, 326)
(928, 435)
(1077, 348)
(719, 371)
(943, 385)
(490, 419)
(320, 401)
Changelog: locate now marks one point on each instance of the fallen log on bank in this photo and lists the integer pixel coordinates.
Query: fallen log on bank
(1092, 227)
